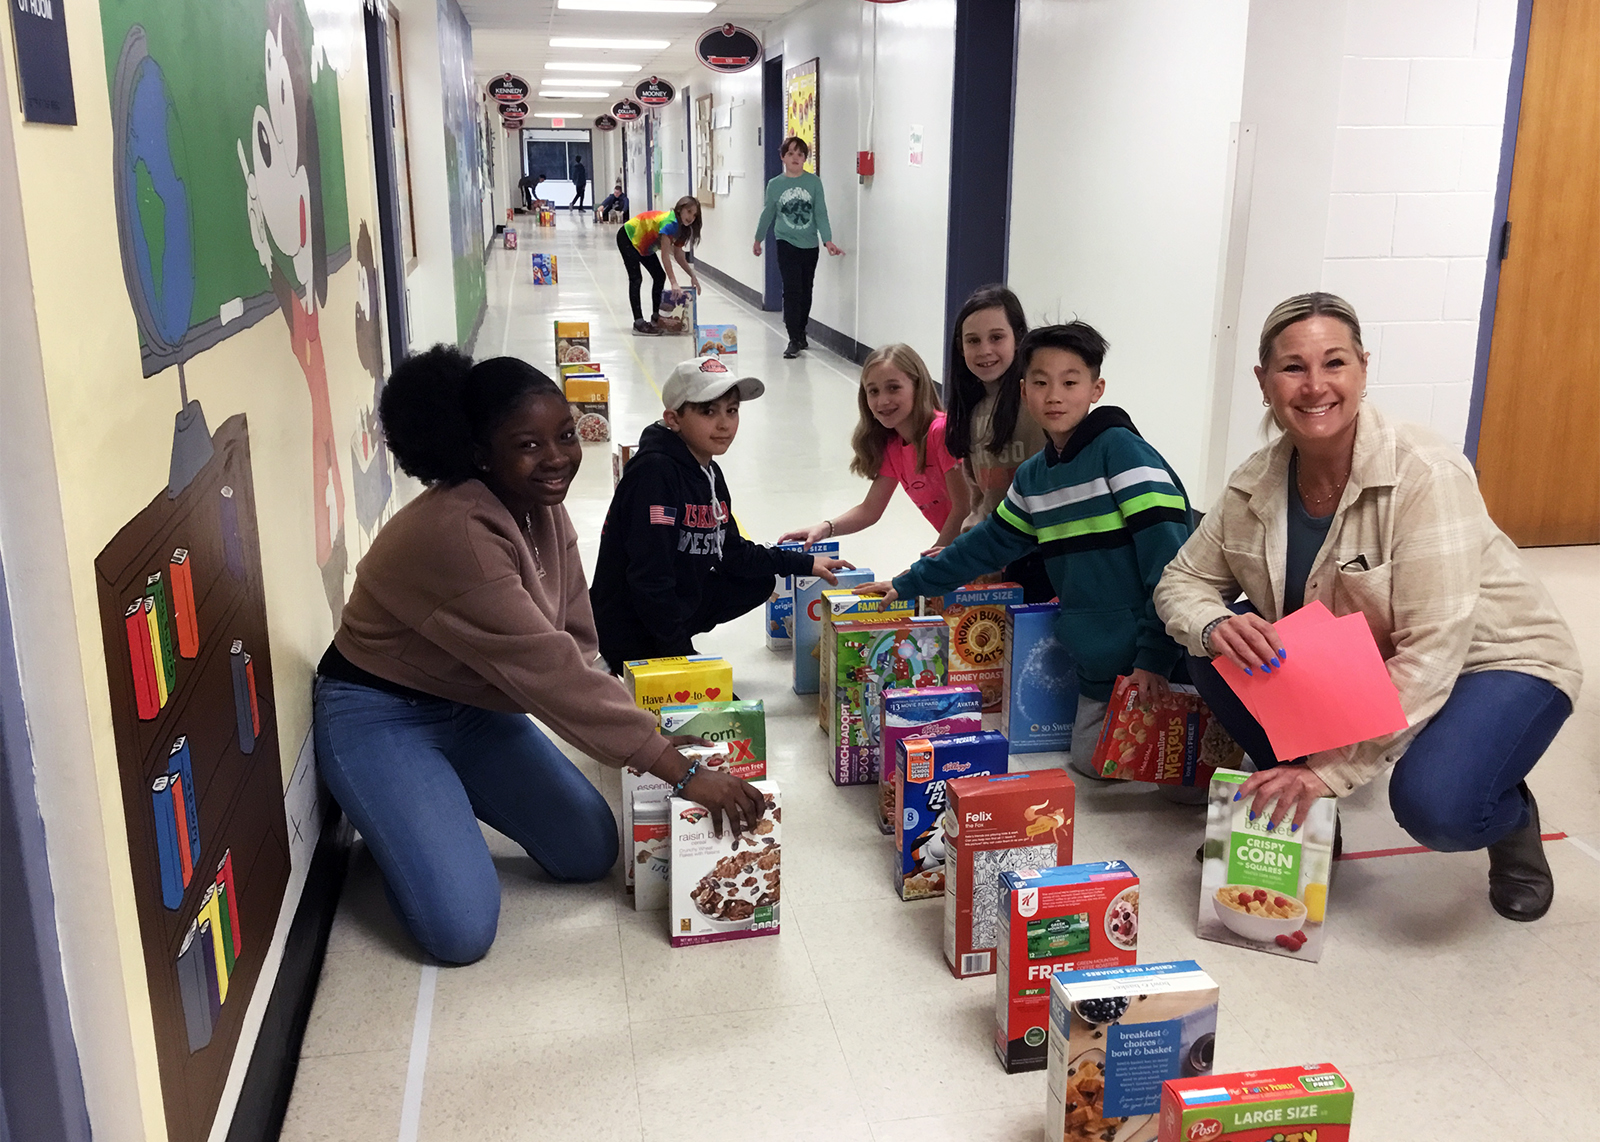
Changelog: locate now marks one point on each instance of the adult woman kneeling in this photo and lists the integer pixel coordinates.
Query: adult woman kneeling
(469, 613)
(1366, 515)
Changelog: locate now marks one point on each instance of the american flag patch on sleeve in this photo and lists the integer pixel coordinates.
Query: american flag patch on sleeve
(667, 517)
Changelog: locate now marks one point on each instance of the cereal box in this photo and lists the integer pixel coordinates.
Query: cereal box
(509, 238)
(807, 632)
(841, 605)
(1175, 742)
(1263, 888)
(724, 888)
(544, 269)
(741, 726)
(646, 788)
(920, 712)
(590, 398)
(620, 455)
(718, 340)
(1117, 1034)
(572, 341)
(996, 823)
(1075, 917)
(1039, 681)
(678, 681)
(780, 607)
(869, 658)
(922, 768)
(650, 851)
(1289, 1104)
(977, 618)
(677, 311)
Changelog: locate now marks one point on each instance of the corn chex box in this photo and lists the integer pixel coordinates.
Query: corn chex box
(727, 887)
(977, 619)
(741, 726)
(923, 767)
(1289, 1104)
(919, 712)
(869, 658)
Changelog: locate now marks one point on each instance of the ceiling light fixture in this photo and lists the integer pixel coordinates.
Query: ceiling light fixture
(621, 45)
(659, 7)
(564, 65)
(546, 81)
(574, 94)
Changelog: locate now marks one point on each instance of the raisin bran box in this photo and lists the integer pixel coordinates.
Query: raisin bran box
(842, 605)
(807, 630)
(1117, 1034)
(727, 887)
(1039, 681)
(869, 658)
(1176, 741)
(920, 712)
(996, 823)
(1259, 888)
(923, 767)
(646, 788)
(1288, 1104)
(677, 681)
(977, 619)
(741, 726)
(1071, 918)
(780, 607)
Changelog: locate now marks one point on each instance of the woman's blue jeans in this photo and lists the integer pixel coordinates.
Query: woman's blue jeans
(416, 776)
(1455, 789)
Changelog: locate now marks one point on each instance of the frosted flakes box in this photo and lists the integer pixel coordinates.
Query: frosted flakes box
(1289, 1104)
(1174, 740)
(997, 823)
(923, 767)
(842, 605)
(977, 619)
(807, 632)
(572, 341)
(1071, 918)
(646, 788)
(728, 887)
(920, 712)
(1039, 682)
(780, 607)
(869, 658)
(1262, 888)
(1117, 1034)
(718, 340)
(678, 680)
(740, 726)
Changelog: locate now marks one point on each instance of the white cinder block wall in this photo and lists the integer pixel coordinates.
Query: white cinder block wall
(1422, 100)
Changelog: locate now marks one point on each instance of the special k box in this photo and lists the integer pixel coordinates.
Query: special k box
(1174, 740)
(977, 618)
(923, 767)
(1072, 918)
(677, 681)
(1289, 1104)
(727, 887)
(920, 712)
(997, 823)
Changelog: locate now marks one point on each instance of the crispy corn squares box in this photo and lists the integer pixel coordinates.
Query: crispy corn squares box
(727, 887)
(977, 620)
(780, 607)
(868, 659)
(677, 681)
(1177, 741)
(995, 823)
(1261, 888)
(923, 767)
(807, 632)
(1289, 1104)
(920, 712)
(1075, 917)
(1117, 1034)
(1039, 681)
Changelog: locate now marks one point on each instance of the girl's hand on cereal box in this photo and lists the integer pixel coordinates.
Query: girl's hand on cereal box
(807, 535)
(881, 587)
(824, 567)
(1153, 688)
(1250, 642)
(1285, 790)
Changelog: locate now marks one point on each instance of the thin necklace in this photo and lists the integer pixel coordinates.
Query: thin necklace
(1318, 501)
(527, 531)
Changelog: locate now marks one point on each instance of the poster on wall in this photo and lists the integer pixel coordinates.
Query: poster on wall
(463, 168)
(728, 49)
(705, 152)
(802, 108)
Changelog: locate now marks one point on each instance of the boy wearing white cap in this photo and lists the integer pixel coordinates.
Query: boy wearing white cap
(672, 563)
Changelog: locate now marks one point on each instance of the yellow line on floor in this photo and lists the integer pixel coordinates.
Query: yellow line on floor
(605, 301)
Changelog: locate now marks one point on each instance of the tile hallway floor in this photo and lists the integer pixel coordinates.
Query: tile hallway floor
(583, 1024)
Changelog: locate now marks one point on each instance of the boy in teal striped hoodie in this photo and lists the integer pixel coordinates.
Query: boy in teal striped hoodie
(1105, 509)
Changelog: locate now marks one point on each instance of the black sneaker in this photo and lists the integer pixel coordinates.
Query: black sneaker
(791, 351)
(803, 343)
(643, 328)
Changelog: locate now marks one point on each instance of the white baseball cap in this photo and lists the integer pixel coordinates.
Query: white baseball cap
(705, 379)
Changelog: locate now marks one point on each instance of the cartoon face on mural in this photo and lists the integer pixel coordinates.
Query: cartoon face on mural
(369, 454)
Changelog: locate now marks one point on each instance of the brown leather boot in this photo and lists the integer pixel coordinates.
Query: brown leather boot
(1520, 884)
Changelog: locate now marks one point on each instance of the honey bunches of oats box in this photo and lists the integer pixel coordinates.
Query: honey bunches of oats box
(920, 712)
(727, 887)
(1288, 1104)
(977, 619)
(869, 658)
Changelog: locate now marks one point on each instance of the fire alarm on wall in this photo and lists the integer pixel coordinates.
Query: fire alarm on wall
(864, 163)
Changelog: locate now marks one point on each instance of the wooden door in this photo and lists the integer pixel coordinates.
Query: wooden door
(1539, 446)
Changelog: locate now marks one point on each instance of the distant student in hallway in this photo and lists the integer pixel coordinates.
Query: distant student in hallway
(528, 184)
(672, 563)
(797, 211)
(638, 240)
(899, 442)
(615, 201)
(580, 180)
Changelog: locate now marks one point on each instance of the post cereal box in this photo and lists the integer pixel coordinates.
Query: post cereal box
(920, 712)
(1039, 682)
(646, 788)
(718, 340)
(807, 631)
(1075, 917)
(977, 618)
(572, 341)
(869, 658)
(724, 888)
(1176, 741)
(923, 766)
(994, 824)
(741, 726)
(650, 850)
(1117, 1034)
(682, 680)
(590, 399)
(1262, 888)
(1290, 1104)
(780, 607)
(841, 605)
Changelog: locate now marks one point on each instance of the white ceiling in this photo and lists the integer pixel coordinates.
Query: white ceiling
(514, 35)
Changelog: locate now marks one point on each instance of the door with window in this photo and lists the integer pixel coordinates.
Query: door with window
(561, 156)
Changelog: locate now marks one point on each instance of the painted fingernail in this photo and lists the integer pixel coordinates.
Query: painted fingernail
(1266, 668)
(1282, 654)
(1252, 814)
(1238, 795)
(1295, 828)
(1247, 671)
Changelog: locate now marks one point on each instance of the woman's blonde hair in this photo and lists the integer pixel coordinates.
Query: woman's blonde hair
(871, 439)
(1292, 311)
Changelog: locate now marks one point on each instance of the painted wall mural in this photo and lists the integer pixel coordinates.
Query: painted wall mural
(463, 164)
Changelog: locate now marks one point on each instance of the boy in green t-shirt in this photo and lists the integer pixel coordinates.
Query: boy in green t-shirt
(797, 211)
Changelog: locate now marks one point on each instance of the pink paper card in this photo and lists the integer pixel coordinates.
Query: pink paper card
(1332, 690)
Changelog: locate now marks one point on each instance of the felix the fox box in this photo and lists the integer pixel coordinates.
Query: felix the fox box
(1289, 1104)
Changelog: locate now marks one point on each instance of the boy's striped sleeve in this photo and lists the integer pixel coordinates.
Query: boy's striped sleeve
(1155, 511)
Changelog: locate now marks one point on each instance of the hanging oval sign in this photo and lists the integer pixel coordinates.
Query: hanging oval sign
(728, 49)
(508, 88)
(517, 109)
(511, 122)
(605, 123)
(626, 110)
(654, 92)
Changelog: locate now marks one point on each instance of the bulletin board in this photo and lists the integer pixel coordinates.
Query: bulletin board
(802, 108)
(705, 152)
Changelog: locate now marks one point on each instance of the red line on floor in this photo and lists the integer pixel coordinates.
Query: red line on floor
(1409, 849)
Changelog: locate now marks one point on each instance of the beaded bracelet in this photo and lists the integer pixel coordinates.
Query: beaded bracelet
(1205, 635)
(694, 767)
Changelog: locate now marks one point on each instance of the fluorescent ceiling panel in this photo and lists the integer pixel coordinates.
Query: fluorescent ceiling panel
(620, 45)
(658, 7)
(564, 65)
(574, 94)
